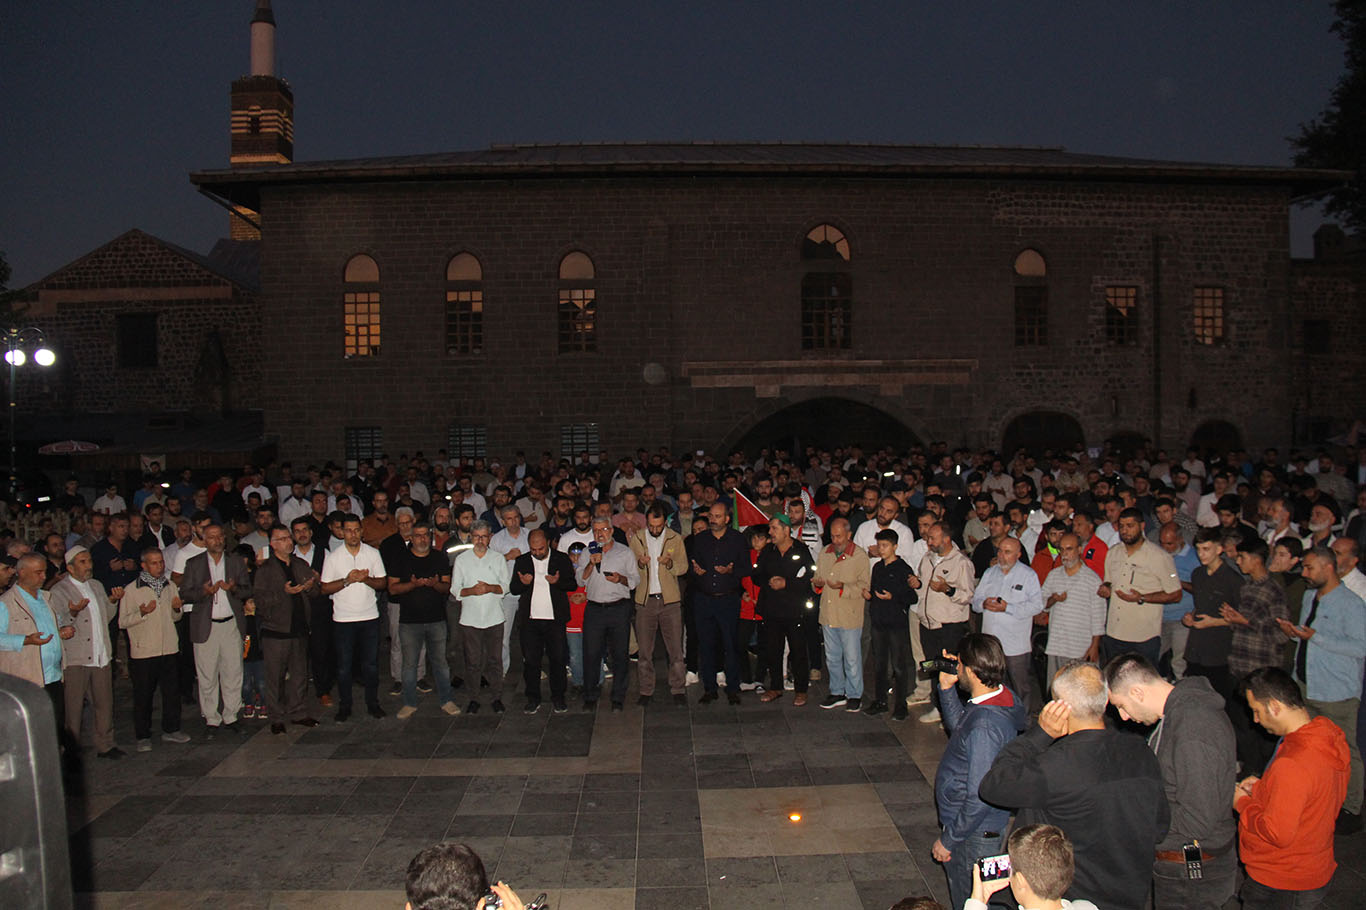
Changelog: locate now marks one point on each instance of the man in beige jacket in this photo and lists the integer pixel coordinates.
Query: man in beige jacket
(662, 558)
(947, 581)
(89, 671)
(843, 573)
(150, 609)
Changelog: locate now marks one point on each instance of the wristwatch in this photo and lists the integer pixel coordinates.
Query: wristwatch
(1140, 599)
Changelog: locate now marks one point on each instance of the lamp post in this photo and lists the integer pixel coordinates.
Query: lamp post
(15, 339)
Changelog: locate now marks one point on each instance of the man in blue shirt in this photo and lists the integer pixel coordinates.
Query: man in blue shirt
(31, 640)
(1008, 598)
(1329, 658)
(1174, 632)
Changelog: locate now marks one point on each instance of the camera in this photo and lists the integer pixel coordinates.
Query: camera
(938, 665)
(994, 868)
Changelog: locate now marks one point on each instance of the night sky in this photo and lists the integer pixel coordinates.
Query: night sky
(108, 106)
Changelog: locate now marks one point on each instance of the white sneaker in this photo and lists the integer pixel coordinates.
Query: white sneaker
(721, 680)
(748, 687)
(178, 736)
(930, 717)
(144, 745)
(691, 679)
(918, 698)
(406, 712)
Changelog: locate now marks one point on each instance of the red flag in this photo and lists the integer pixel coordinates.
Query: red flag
(747, 513)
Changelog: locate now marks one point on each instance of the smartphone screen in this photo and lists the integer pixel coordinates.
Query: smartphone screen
(994, 868)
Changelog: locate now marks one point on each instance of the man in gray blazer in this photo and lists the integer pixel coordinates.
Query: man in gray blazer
(219, 585)
(89, 653)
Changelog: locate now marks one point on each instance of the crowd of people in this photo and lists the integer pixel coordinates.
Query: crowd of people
(1216, 599)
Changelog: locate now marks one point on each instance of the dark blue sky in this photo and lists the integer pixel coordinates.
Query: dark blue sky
(109, 105)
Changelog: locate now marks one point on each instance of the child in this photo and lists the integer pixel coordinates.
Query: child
(253, 663)
(889, 597)
(578, 599)
(749, 638)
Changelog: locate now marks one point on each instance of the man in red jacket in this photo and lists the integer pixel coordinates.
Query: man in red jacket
(1286, 818)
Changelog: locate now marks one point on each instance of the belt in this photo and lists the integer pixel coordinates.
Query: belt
(226, 619)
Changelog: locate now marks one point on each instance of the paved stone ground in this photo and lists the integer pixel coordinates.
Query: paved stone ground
(661, 807)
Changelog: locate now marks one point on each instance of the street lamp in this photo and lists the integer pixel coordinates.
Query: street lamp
(15, 339)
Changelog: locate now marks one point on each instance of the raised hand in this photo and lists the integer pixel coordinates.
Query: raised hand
(79, 605)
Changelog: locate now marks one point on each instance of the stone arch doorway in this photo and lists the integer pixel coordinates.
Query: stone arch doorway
(1035, 431)
(1216, 437)
(827, 423)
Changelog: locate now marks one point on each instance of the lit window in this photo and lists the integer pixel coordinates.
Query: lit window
(464, 305)
(827, 291)
(1209, 315)
(1031, 316)
(360, 308)
(578, 306)
(1030, 264)
(1121, 315)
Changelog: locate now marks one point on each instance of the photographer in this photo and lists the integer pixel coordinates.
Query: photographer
(1041, 871)
(452, 877)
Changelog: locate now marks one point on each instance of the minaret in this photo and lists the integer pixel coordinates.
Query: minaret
(262, 113)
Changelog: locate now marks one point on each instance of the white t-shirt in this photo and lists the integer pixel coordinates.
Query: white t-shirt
(541, 605)
(183, 555)
(355, 602)
(573, 536)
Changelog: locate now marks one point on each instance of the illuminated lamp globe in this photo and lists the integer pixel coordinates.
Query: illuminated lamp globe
(15, 357)
(44, 357)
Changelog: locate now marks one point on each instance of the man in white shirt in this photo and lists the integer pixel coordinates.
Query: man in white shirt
(480, 577)
(1206, 513)
(352, 573)
(296, 504)
(219, 583)
(110, 502)
(582, 531)
(1008, 597)
(511, 542)
(87, 673)
(260, 489)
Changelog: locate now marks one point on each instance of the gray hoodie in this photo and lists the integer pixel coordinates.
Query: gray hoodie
(1196, 752)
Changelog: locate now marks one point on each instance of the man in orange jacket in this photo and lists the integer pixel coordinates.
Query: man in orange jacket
(1286, 818)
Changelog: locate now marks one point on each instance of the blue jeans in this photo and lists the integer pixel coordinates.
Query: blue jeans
(1257, 896)
(575, 642)
(412, 636)
(253, 680)
(958, 870)
(844, 661)
(357, 638)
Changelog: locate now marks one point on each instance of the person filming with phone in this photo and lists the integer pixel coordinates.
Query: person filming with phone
(1038, 868)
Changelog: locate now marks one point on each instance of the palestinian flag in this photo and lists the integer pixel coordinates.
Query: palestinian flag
(746, 514)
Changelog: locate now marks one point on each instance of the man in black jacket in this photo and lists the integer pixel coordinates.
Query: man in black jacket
(280, 591)
(783, 574)
(1102, 787)
(1194, 743)
(543, 579)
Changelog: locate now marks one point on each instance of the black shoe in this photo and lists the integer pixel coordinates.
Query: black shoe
(559, 706)
(115, 752)
(707, 697)
(643, 700)
(635, 655)
(305, 722)
(396, 689)
(681, 700)
(483, 682)
(733, 697)
(877, 707)
(853, 705)
(343, 715)
(834, 701)
(424, 685)
(1347, 823)
(457, 682)
(234, 727)
(277, 728)
(498, 706)
(211, 731)
(376, 711)
(590, 706)
(618, 707)
(472, 708)
(531, 707)
(900, 713)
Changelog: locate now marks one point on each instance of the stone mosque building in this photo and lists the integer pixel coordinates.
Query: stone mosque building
(710, 295)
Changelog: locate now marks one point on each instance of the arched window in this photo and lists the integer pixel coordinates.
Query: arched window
(827, 290)
(578, 308)
(464, 305)
(1031, 299)
(360, 307)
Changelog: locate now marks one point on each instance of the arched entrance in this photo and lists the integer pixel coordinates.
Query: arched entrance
(827, 423)
(1035, 431)
(1216, 437)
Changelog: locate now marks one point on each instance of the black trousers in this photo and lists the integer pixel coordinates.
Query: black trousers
(147, 673)
(934, 641)
(186, 674)
(717, 618)
(322, 646)
(544, 638)
(1255, 745)
(748, 630)
(690, 633)
(891, 660)
(607, 627)
(792, 631)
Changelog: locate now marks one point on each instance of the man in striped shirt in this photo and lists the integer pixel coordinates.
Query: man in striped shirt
(1076, 613)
